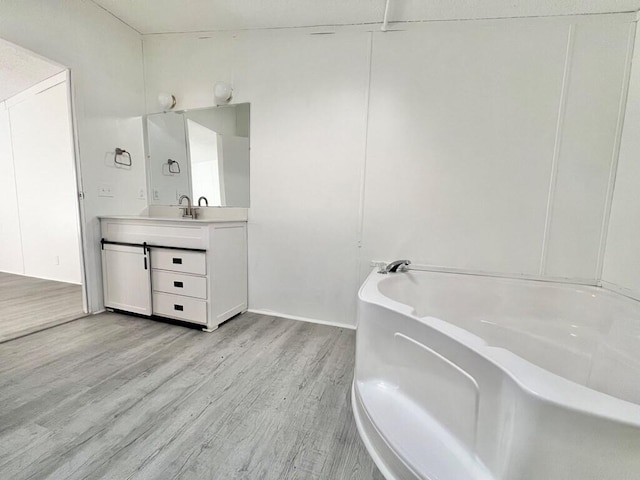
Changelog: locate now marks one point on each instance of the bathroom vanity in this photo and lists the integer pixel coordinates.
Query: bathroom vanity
(190, 263)
(190, 270)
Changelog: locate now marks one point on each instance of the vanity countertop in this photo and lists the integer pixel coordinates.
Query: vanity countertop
(161, 219)
(209, 215)
(175, 231)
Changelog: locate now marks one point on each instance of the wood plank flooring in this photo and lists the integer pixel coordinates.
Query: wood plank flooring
(120, 397)
(31, 304)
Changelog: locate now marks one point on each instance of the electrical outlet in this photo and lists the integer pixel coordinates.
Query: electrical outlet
(105, 190)
(142, 194)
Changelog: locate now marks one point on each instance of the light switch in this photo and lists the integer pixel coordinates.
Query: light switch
(105, 190)
(156, 194)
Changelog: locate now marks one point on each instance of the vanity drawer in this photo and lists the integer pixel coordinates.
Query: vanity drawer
(179, 284)
(180, 308)
(179, 261)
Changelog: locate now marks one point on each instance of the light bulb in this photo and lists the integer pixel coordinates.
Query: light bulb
(222, 92)
(166, 101)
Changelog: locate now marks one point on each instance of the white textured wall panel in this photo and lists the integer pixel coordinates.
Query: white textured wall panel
(463, 131)
(622, 259)
(45, 180)
(461, 144)
(10, 243)
(590, 131)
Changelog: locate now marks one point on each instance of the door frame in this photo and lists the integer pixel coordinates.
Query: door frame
(80, 194)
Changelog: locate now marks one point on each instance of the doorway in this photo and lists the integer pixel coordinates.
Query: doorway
(41, 262)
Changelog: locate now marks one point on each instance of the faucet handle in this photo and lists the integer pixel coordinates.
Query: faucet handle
(397, 266)
(186, 212)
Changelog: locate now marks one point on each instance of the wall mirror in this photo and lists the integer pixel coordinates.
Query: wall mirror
(200, 153)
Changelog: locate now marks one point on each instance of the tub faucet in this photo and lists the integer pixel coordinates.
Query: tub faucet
(188, 210)
(397, 266)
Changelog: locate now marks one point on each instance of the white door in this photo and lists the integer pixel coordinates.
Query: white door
(126, 278)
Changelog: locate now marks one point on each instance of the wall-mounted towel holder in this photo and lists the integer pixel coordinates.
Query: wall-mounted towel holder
(174, 167)
(121, 153)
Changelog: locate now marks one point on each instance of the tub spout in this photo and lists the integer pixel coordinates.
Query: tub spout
(397, 266)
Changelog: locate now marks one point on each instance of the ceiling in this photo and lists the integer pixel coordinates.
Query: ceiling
(21, 69)
(166, 16)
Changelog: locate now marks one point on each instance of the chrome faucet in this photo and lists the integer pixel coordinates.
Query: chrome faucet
(188, 210)
(397, 266)
(206, 202)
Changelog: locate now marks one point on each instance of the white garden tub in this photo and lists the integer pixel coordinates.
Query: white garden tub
(463, 377)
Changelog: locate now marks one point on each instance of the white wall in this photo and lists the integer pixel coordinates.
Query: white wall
(10, 241)
(105, 58)
(622, 260)
(588, 148)
(461, 145)
(44, 195)
(45, 178)
(308, 117)
(492, 150)
(481, 145)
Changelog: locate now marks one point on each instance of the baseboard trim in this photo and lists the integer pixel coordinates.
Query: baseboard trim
(302, 319)
(625, 292)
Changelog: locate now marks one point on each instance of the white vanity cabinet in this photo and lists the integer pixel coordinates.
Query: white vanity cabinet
(194, 271)
(179, 280)
(123, 266)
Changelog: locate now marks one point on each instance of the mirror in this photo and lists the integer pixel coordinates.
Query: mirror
(200, 153)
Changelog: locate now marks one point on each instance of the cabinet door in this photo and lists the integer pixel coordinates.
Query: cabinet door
(126, 279)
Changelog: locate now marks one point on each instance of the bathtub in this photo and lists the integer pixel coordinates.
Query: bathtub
(466, 377)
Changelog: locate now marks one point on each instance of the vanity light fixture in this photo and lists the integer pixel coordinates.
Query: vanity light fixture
(166, 101)
(222, 93)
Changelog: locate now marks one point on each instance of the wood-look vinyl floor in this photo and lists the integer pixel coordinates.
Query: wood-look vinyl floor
(120, 397)
(31, 304)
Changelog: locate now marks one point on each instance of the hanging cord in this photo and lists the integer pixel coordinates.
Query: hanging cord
(171, 164)
(121, 153)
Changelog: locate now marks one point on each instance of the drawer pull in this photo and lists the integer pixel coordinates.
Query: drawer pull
(178, 284)
(177, 261)
(180, 308)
